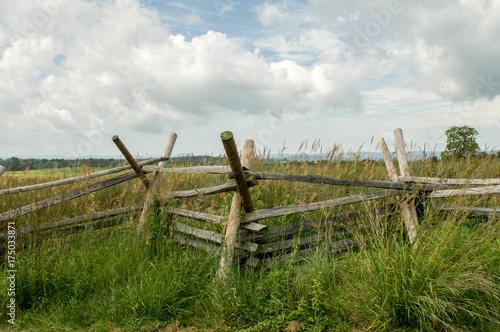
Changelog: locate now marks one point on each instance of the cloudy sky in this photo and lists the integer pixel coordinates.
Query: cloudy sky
(74, 73)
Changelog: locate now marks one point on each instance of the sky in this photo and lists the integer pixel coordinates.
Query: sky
(74, 73)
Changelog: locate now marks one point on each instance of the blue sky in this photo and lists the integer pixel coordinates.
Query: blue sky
(76, 72)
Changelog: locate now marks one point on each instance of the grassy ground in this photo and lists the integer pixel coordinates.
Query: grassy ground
(111, 282)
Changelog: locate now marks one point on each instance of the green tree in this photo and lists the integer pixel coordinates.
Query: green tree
(461, 142)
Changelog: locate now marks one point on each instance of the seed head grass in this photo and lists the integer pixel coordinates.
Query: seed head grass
(109, 280)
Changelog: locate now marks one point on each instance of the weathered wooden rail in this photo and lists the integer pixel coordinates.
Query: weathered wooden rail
(248, 237)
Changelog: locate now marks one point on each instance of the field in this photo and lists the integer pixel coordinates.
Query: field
(109, 281)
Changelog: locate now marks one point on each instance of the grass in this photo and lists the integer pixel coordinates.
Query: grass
(100, 281)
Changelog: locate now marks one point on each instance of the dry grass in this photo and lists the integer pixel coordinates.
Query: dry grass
(450, 282)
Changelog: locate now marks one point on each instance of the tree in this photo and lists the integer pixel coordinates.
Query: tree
(461, 143)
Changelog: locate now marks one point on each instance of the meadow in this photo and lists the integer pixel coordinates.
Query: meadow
(108, 281)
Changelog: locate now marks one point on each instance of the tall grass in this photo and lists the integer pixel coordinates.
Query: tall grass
(449, 281)
(103, 282)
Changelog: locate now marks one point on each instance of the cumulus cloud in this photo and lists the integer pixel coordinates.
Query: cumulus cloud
(75, 70)
(452, 44)
(79, 64)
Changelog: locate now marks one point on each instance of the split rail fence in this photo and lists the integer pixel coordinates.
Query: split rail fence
(247, 237)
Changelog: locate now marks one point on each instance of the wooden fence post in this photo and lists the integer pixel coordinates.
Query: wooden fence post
(151, 196)
(235, 212)
(409, 211)
(237, 168)
(2, 170)
(389, 165)
(131, 160)
(411, 228)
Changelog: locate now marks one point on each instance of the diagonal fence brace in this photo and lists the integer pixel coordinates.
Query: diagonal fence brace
(126, 153)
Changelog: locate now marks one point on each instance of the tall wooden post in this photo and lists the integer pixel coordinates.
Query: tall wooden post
(408, 210)
(237, 168)
(389, 165)
(235, 212)
(405, 208)
(152, 194)
(2, 170)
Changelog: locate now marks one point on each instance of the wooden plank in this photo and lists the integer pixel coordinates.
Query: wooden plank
(209, 191)
(489, 190)
(76, 179)
(200, 244)
(308, 239)
(286, 210)
(2, 170)
(255, 227)
(476, 211)
(66, 196)
(449, 181)
(335, 247)
(74, 229)
(298, 227)
(77, 220)
(192, 170)
(197, 232)
(309, 225)
(106, 223)
(197, 215)
(242, 197)
(152, 194)
(237, 169)
(204, 245)
(405, 208)
(126, 153)
(251, 226)
(212, 236)
(343, 182)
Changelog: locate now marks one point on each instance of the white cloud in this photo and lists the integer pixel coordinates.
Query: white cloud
(76, 71)
(93, 62)
(305, 44)
(452, 45)
(270, 14)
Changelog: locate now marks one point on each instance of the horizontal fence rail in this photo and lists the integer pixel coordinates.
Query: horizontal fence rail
(319, 179)
(201, 216)
(66, 196)
(449, 181)
(191, 170)
(301, 208)
(212, 236)
(76, 220)
(334, 247)
(489, 190)
(318, 224)
(476, 211)
(208, 191)
(76, 179)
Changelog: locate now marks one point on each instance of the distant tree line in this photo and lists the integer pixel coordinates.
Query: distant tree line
(21, 164)
(461, 143)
